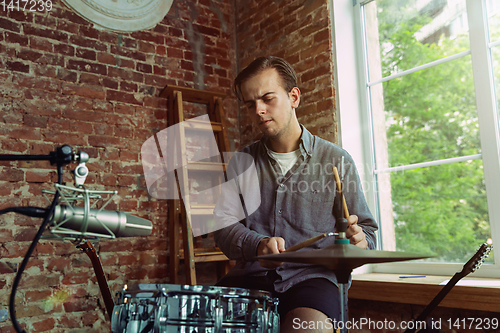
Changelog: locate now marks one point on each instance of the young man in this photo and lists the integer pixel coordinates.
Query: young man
(297, 189)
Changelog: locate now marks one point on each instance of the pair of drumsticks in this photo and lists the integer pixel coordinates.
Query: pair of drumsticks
(319, 237)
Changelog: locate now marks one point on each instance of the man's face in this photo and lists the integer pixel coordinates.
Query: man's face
(269, 106)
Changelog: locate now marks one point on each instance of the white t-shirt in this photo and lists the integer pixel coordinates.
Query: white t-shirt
(285, 160)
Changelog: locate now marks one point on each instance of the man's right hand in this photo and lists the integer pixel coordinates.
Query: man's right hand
(273, 245)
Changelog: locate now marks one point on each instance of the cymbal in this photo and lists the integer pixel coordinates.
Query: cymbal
(342, 256)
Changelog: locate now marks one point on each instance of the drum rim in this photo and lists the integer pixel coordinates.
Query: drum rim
(193, 289)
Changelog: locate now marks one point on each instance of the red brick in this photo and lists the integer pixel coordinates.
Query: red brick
(315, 73)
(161, 50)
(119, 96)
(106, 58)
(127, 260)
(147, 47)
(67, 26)
(38, 176)
(10, 25)
(36, 83)
(11, 37)
(70, 321)
(177, 43)
(207, 30)
(64, 138)
(64, 49)
(44, 325)
(37, 295)
(128, 42)
(326, 105)
(125, 52)
(24, 133)
(69, 15)
(105, 141)
(147, 36)
(157, 70)
(81, 127)
(46, 20)
(90, 32)
(158, 80)
(126, 63)
(109, 180)
(175, 53)
(86, 54)
(88, 43)
(66, 75)
(119, 168)
(5, 236)
(88, 78)
(25, 235)
(18, 66)
(126, 75)
(155, 102)
(35, 121)
(109, 83)
(86, 66)
(77, 278)
(129, 87)
(83, 91)
(40, 44)
(21, 15)
(315, 50)
(46, 33)
(80, 305)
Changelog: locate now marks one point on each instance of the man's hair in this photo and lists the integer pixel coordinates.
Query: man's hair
(284, 69)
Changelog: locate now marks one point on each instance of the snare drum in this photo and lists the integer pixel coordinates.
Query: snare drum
(168, 308)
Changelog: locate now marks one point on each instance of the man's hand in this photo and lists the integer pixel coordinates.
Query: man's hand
(354, 233)
(273, 245)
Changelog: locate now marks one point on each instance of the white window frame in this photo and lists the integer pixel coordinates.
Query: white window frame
(355, 128)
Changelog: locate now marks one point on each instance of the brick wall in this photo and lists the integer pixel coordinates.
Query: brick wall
(64, 82)
(298, 31)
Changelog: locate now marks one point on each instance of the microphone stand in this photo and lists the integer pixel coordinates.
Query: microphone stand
(63, 155)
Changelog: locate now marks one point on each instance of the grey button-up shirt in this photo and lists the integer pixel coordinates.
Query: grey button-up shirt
(295, 206)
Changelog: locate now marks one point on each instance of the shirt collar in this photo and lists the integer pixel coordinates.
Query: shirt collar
(305, 145)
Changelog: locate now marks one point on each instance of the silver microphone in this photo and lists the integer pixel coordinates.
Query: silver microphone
(100, 221)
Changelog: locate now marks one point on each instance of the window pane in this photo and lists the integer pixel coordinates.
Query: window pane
(493, 10)
(441, 210)
(405, 25)
(429, 115)
(425, 116)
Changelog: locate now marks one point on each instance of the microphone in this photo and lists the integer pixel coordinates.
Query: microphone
(100, 221)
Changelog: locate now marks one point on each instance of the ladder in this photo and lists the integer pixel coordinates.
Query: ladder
(181, 211)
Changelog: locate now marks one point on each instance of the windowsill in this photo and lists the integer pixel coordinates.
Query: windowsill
(391, 288)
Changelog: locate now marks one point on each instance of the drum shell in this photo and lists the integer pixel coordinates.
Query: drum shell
(182, 308)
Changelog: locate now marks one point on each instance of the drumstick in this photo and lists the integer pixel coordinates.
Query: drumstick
(339, 188)
(308, 242)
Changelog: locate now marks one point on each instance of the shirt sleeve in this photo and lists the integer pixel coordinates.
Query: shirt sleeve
(240, 196)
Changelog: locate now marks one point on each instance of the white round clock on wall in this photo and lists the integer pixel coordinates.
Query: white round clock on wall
(121, 15)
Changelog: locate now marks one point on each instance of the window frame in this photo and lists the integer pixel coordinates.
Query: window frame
(355, 126)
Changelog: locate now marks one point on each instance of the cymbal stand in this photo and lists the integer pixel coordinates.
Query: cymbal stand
(343, 283)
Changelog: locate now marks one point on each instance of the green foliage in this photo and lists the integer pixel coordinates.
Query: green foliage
(431, 115)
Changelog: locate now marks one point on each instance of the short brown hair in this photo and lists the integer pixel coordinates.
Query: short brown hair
(284, 69)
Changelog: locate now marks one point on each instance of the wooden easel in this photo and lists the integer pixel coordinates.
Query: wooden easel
(181, 211)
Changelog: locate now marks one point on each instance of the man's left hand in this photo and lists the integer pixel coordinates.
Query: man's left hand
(355, 233)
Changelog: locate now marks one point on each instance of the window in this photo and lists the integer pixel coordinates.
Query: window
(416, 94)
